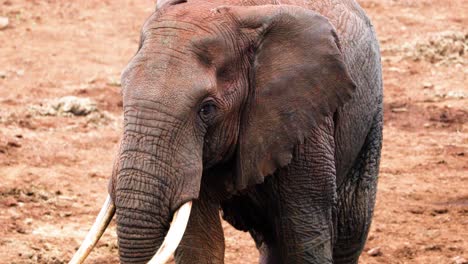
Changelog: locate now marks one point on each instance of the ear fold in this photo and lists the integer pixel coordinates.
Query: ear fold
(299, 79)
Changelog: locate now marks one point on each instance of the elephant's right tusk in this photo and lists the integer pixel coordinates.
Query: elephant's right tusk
(96, 231)
(174, 235)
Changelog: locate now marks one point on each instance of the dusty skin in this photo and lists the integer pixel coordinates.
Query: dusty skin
(55, 158)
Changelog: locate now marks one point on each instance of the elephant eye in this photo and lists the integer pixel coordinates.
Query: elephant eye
(207, 110)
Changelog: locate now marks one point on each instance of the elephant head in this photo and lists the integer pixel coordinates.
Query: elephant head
(225, 89)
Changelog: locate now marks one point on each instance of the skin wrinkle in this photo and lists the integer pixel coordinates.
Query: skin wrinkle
(151, 117)
(156, 169)
(149, 203)
(139, 151)
(144, 221)
(144, 244)
(149, 31)
(127, 171)
(166, 185)
(174, 137)
(198, 26)
(141, 193)
(140, 223)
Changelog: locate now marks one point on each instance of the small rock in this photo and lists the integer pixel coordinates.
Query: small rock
(453, 248)
(433, 248)
(4, 21)
(92, 80)
(3, 74)
(416, 211)
(440, 211)
(67, 106)
(399, 109)
(428, 85)
(396, 69)
(114, 82)
(20, 72)
(456, 95)
(20, 230)
(374, 252)
(14, 144)
(432, 233)
(36, 247)
(459, 260)
(10, 202)
(47, 246)
(66, 214)
(100, 245)
(28, 221)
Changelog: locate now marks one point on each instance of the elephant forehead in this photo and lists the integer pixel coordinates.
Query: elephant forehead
(165, 79)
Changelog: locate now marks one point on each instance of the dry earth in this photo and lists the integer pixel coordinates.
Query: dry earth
(56, 154)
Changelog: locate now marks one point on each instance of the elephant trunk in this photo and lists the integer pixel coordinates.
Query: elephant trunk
(143, 217)
(153, 180)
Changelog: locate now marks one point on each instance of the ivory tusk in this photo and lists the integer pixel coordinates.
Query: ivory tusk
(102, 221)
(174, 235)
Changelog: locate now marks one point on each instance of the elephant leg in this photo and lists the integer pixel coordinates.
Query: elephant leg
(304, 237)
(203, 240)
(306, 193)
(356, 198)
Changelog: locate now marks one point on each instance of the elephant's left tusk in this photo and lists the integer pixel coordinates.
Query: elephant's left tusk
(96, 231)
(174, 235)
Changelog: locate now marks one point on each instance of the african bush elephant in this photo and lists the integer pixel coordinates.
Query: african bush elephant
(268, 112)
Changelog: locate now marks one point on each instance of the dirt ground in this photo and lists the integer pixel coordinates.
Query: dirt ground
(56, 156)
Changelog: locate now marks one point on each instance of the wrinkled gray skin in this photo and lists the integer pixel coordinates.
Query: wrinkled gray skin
(271, 114)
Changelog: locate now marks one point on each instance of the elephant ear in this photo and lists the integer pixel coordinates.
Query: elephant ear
(298, 79)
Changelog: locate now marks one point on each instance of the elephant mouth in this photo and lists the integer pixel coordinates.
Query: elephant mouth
(168, 247)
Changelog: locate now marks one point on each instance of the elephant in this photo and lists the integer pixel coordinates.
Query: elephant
(266, 113)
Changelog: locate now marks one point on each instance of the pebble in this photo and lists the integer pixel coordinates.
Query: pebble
(428, 85)
(400, 110)
(20, 72)
(374, 252)
(10, 201)
(14, 144)
(3, 74)
(4, 21)
(20, 230)
(440, 211)
(459, 260)
(28, 221)
(66, 214)
(456, 95)
(433, 248)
